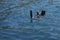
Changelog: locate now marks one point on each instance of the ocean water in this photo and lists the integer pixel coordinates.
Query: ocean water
(15, 22)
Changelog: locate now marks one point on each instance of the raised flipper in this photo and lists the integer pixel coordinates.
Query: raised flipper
(31, 15)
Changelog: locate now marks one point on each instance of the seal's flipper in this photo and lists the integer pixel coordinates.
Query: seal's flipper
(31, 14)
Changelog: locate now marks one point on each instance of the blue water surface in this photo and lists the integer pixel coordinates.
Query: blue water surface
(15, 20)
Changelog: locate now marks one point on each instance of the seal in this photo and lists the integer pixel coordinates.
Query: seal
(39, 15)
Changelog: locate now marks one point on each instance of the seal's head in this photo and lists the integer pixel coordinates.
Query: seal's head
(43, 12)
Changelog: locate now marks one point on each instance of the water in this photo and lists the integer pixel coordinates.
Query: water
(15, 20)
